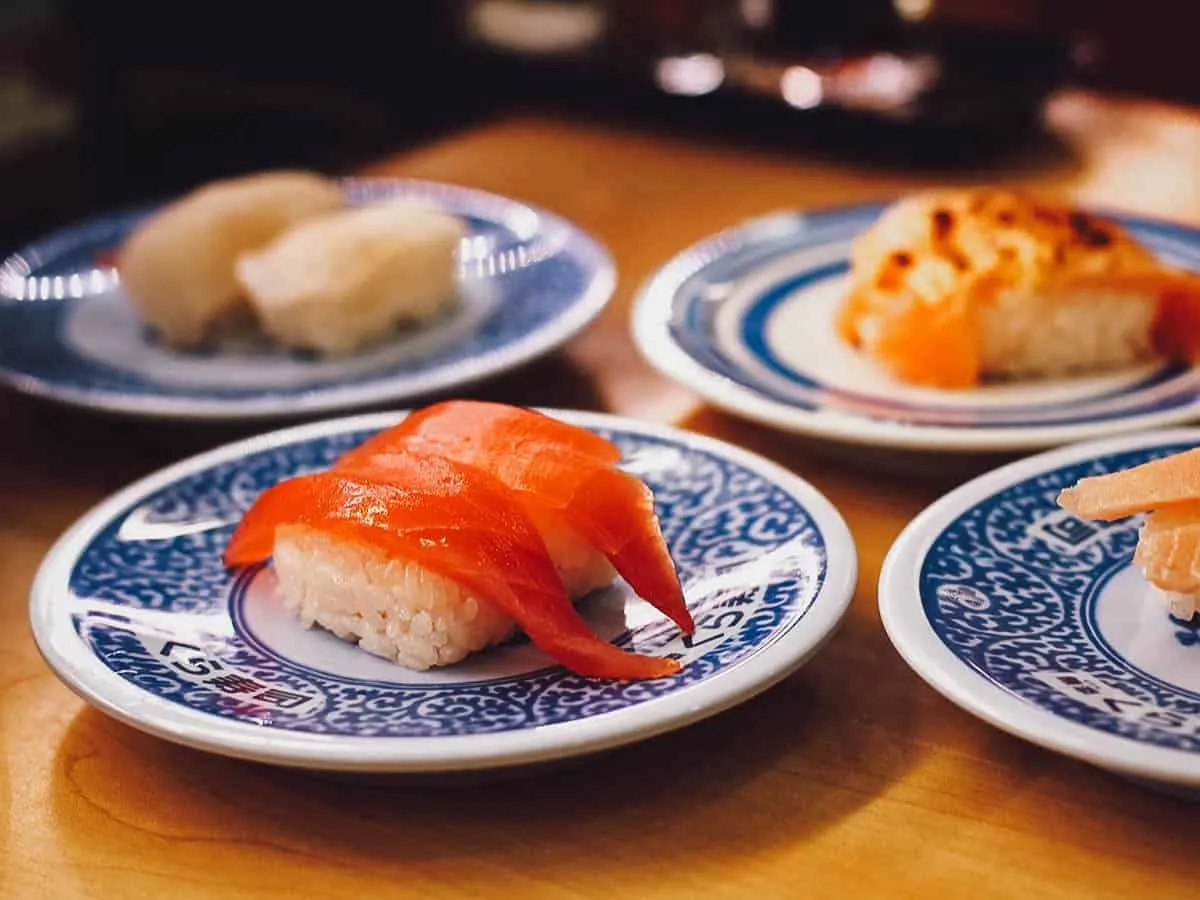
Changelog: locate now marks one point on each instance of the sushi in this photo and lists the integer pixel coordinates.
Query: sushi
(423, 558)
(1167, 492)
(593, 517)
(337, 283)
(951, 287)
(177, 267)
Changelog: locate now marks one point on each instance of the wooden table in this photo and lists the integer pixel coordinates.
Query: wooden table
(851, 779)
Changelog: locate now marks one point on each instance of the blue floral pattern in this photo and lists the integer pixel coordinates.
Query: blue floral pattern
(164, 613)
(1187, 634)
(1010, 587)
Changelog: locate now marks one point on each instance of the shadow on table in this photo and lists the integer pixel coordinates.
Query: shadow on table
(780, 768)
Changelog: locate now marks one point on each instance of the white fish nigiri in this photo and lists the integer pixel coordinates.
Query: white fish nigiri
(339, 282)
(177, 266)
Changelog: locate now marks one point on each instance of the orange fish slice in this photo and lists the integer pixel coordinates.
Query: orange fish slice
(458, 522)
(463, 423)
(1168, 549)
(1177, 328)
(934, 345)
(1153, 485)
(554, 479)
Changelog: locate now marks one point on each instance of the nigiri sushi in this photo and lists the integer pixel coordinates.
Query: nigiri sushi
(1167, 491)
(177, 266)
(593, 517)
(951, 286)
(339, 282)
(423, 563)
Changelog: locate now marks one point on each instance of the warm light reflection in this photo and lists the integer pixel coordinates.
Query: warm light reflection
(478, 258)
(801, 87)
(757, 13)
(692, 76)
(536, 27)
(913, 10)
(524, 222)
(476, 247)
(885, 81)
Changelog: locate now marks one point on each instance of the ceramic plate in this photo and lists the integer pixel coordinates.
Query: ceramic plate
(529, 281)
(747, 318)
(133, 609)
(1037, 621)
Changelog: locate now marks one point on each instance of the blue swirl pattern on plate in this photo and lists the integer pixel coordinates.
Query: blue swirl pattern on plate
(139, 603)
(1011, 587)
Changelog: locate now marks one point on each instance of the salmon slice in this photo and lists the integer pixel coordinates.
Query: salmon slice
(458, 522)
(1177, 328)
(934, 345)
(1168, 549)
(464, 423)
(559, 483)
(1153, 485)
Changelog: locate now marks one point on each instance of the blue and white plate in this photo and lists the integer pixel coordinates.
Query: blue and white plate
(1037, 621)
(134, 610)
(529, 282)
(747, 319)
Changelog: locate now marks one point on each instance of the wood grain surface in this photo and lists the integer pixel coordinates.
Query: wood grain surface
(851, 779)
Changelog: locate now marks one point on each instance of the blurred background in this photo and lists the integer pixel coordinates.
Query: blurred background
(108, 104)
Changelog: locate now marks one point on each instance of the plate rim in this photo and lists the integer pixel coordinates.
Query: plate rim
(97, 685)
(337, 398)
(913, 637)
(652, 336)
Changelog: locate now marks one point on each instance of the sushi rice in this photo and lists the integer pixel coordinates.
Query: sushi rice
(1181, 606)
(396, 608)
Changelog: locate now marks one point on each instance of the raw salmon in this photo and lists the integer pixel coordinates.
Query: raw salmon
(563, 475)
(1168, 549)
(467, 423)
(1153, 485)
(458, 522)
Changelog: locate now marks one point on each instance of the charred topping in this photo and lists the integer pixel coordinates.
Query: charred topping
(1088, 233)
(902, 259)
(943, 222)
(1006, 217)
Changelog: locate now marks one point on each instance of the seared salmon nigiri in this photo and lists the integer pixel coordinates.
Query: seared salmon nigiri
(949, 287)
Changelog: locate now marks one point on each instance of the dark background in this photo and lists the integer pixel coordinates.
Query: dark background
(110, 103)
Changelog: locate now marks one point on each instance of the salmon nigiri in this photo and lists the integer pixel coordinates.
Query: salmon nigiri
(593, 517)
(465, 423)
(1167, 491)
(436, 563)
